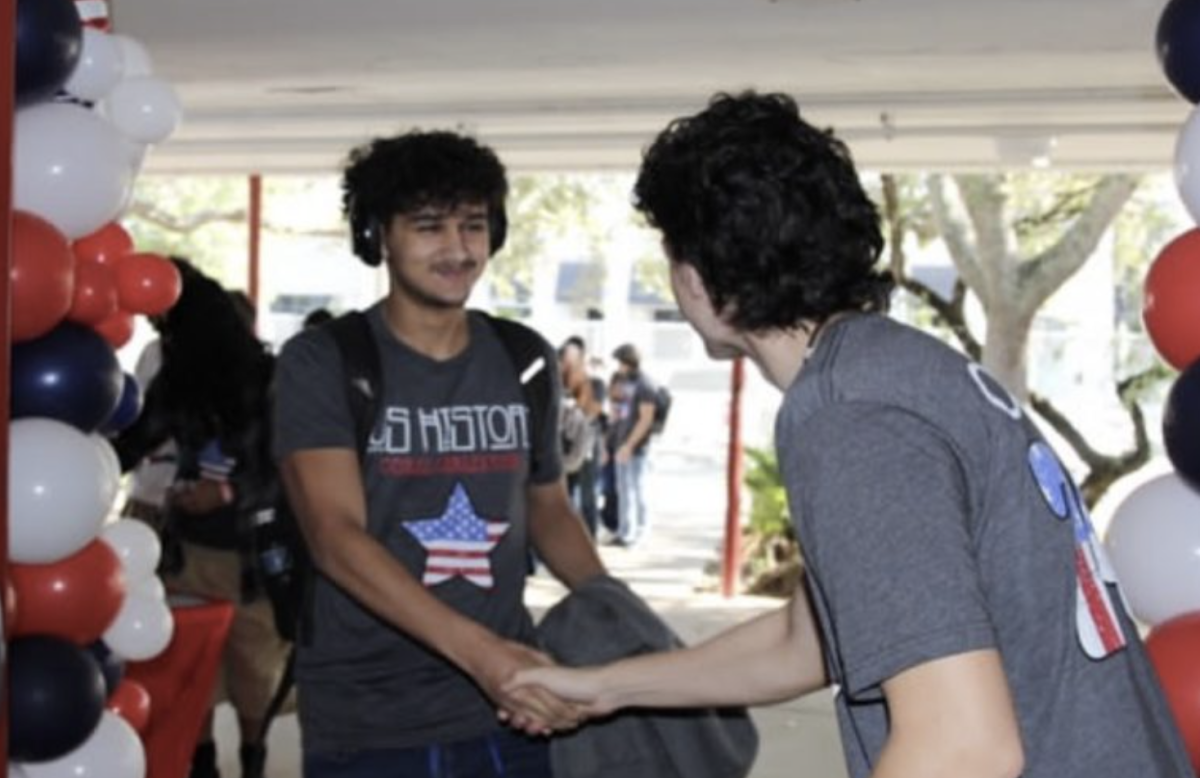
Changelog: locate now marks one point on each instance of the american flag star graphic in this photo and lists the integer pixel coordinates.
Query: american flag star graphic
(458, 542)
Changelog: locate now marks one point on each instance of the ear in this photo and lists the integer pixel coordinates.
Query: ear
(687, 279)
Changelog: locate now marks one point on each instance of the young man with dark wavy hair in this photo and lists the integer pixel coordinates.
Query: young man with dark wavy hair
(955, 595)
(417, 618)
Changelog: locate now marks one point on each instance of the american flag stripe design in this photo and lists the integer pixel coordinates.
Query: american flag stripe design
(1099, 631)
(458, 543)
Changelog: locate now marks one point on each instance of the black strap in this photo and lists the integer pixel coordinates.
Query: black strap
(525, 349)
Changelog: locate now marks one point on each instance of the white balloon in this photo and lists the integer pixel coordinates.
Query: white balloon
(1153, 542)
(59, 490)
(143, 627)
(70, 167)
(101, 66)
(133, 54)
(1187, 164)
(108, 456)
(153, 587)
(114, 750)
(144, 108)
(137, 546)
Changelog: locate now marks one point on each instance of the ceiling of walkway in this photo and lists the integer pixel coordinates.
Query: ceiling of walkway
(289, 85)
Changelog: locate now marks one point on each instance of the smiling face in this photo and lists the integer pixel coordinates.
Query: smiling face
(436, 254)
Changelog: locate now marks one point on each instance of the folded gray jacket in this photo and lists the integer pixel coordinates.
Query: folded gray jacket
(604, 620)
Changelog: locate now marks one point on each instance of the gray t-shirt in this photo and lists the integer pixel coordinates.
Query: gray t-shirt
(446, 469)
(934, 521)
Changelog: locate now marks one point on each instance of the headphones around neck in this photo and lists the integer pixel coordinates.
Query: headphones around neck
(366, 233)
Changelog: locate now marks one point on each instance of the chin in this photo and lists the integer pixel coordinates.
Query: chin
(721, 351)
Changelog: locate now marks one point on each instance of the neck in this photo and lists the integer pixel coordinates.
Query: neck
(438, 333)
(782, 354)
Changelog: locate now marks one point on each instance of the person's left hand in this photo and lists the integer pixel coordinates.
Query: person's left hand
(198, 497)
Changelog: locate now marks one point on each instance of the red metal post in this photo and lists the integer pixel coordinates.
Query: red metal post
(8, 38)
(255, 226)
(733, 477)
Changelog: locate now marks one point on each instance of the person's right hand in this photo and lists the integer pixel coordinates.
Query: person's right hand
(583, 687)
(533, 710)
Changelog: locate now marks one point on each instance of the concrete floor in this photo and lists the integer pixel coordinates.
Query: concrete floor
(798, 739)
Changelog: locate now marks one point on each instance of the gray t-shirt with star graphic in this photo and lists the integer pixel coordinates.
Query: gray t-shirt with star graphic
(934, 520)
(446, 474)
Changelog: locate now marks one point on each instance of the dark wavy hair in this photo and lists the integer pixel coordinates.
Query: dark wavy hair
(215, 374)
(768, 209)
(388, 176)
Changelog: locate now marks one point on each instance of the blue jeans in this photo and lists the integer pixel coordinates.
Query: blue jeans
(632, 521)
(502, 753)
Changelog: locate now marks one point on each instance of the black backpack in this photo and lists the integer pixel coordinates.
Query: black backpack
(662, 409)
(284, 564)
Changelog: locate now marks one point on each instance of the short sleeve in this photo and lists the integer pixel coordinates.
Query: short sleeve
(310, 397)
(883, 514)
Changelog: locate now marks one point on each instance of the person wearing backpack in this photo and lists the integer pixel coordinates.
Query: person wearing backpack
(634, 401)
(211, 401)
(416, 619)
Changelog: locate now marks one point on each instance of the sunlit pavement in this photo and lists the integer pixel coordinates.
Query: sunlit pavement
(673, 568)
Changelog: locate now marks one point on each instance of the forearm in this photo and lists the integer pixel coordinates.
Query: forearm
(559, 535)
(566, 548)
(764, 660)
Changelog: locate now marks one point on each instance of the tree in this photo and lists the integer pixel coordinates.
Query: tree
(1014, 240)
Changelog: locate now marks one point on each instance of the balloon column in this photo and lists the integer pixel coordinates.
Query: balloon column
(83, 597)
(1154, 536)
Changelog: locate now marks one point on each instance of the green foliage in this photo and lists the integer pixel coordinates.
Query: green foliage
(541, 208)
(202, 219)
(769, 516)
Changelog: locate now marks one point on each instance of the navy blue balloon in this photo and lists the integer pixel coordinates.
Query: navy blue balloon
(129, 406)
(49, 43)
(70, 374)
(112, 667)
(1181, 425)
(1178, 44)
(55, 698)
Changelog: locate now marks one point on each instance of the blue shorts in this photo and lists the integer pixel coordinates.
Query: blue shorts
(502, 753)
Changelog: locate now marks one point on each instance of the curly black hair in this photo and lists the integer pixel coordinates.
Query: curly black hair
(768, 209)
(389, 176)
(215, 372)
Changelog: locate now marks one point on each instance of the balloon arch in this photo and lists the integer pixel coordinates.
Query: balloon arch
(82, 599)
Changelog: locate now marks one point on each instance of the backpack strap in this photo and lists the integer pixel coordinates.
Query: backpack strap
(362, 377)
(361, 370)
(526, 350)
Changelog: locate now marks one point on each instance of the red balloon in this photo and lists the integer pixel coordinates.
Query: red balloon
(42, 276)
(1171, 300)
(117, 329)
(131, 701)
(104, 246)
(95, 294)
(76, 598)
(1174, 646)
(147, 283)
(10, 603)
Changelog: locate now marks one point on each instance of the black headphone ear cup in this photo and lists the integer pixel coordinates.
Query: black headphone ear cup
(366, 237)
(497, 227)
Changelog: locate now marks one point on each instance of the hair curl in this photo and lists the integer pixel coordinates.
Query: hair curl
(400, 174)
(768, 209)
